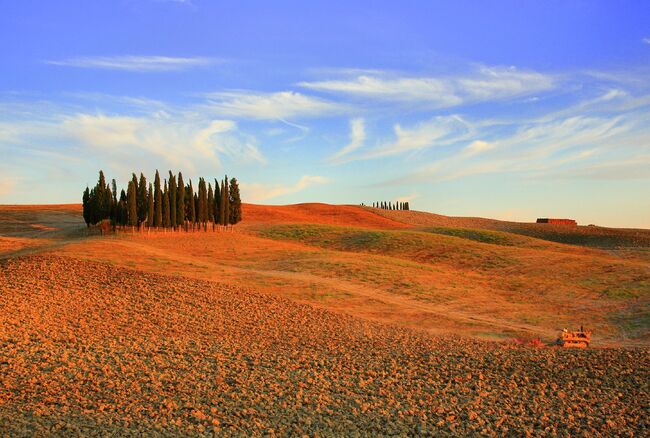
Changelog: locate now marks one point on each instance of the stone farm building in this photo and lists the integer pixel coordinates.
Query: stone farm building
(546, 220)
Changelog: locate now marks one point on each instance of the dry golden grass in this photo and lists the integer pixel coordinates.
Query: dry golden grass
(593, 236)
(334, 328)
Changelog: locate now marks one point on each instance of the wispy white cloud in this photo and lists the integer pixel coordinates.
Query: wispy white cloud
(485, 84)
(271, 106)
(477, 147)
(135, 63)
(179, 142)
(260, 192)
(646, 40)
(437, 131)
(398, 89)
(546, 146)
(357, 137)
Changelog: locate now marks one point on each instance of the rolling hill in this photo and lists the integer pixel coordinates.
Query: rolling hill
(318, 319)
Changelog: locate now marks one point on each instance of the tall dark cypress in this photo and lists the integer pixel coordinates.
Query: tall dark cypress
(180, 200)
(124, 211)
(114, 215)
(114, 191)
(132, 201)
(157, 192)
(202, 210)
(196, 207)
(86, 206)
(226, 210)
(134, 179)
(235, 202)
(103, 198)
(191, 211)
(111, 206)
(150, 202)
(217, 202)
(166, 208)
(210, 203)
(143, 201)
(172, 200)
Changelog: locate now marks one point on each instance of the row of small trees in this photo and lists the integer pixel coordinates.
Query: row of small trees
(388, 205)
(171, 204)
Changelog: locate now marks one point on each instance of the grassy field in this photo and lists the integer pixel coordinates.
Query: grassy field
(319, 319)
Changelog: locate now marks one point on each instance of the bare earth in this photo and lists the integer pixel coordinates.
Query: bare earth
(320, 320)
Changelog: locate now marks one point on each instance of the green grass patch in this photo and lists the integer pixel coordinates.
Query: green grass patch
(483, 236)
(415, 246)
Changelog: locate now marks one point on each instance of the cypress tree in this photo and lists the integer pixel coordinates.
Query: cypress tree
(93, 206)
(210, 204)
(86, 206)
(235, 202)
(109, 196)
(124, 212)
(118, 212)
(134, 179)
(157, 218)
(132, 201)
(191, 210)
(166, 208)
(114, 186)
(143, 200)
(172, 200)
(196, 207)
(217, 202)
(226, 210)
(150, 208)
(222, 206)
(202, 204)
(103, 202)
(180, 201)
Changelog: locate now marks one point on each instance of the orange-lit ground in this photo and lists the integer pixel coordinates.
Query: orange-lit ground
(318, 319)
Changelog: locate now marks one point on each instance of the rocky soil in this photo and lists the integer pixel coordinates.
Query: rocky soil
(91, 349)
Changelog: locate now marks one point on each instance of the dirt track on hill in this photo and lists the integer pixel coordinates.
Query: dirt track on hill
(443, 311)
(87, 347)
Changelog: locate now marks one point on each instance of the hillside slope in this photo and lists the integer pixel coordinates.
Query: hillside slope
(316, 213)
(593, 236)
(478, 283)
(86, 347)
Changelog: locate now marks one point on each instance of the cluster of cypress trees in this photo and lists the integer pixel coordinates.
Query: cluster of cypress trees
(388, 205)
(171, 204)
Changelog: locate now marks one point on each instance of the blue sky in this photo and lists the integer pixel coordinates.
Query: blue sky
(513, 109)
